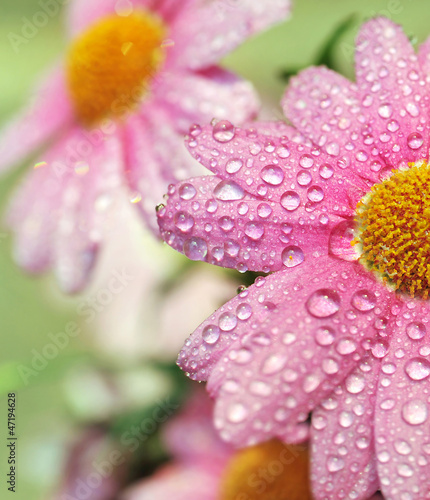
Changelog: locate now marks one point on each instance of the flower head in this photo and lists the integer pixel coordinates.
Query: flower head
(136, 75)
(341, 326)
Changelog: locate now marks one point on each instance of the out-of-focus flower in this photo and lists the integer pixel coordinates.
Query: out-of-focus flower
(203, 467)
(137, 73)
(336, 330)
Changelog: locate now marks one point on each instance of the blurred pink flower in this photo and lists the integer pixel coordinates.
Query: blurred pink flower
(323, 333)
(138, 73)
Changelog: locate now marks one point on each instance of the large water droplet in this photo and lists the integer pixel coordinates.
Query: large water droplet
(416, 331)
(195, 248)
(415, 412)
(183, 221)
(272, 174)
(315, 194)
(324, 336)
(385, 110)
(304, 178)
(335, 464)
(233, 165)
(355, 383)
(227, 321)
(223, 131)
(326, 171)
(340, 241)
(415, 140)
(363, 300)
(292, 256)
(306, 161)
(237, 413)
(274, 364)
(211, 334)
(290, 200)
(243, 311)
(254, 230)
(187, 192)
(323, 303)
(228, 191)
(417, 368)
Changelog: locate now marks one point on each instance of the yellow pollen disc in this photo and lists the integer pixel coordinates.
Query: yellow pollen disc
(111, 64)
(268, 471)
(393, 230)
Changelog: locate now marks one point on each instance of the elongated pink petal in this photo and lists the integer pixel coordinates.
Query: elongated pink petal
(48, 113)
(320, 312)
(200, 97)
(393, 92)
(218, 222)
(209, 30)
(402, 430)
(179, 482)
(277, 169)
(424, 58)
(326, 107)
(343, 461)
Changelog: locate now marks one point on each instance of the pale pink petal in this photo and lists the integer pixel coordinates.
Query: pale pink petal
(424, 59)
(208, 30)
(178, 482)
(393, 92)
(326, 107)
(85, 204)
(218, 222)
(402, 419)
(200, 97)
(48, 113)
(269, 167)
(277, 369)
(343, 461)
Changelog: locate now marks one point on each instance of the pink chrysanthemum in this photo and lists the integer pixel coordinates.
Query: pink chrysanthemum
(138, 73)
(341, 327)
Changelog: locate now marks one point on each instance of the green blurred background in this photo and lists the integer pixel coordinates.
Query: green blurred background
(30, 308)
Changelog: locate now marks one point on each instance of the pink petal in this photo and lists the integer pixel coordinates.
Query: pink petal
(218, 222)
(200, 97)
(326, 107)
(392, 91)
(155, 156)
(179, 482)
(424, 58)
(268, 167)
(402, 431)
(49, 112)
(289, 361)
(205, 33)
(343, 456)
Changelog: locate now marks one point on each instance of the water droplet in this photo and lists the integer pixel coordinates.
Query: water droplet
(273, 175)
(304, 178)
(260, 388)
(306, 161)
(223, 131)
(264, 210)
(228, 191)
(385, 110)
(233, 165)
(326, 171)
(416, 331)
(274, 364)
(379, 348)
(323, 303)
(243, 311)
(355, 383)
(324, 336)
(402, 447)
(183, 221)
(405, 470)
(363, 300)
(340, 241)
(310, 383)
(415, 140)
(211, 334)
(292, 256)
(290, 200)
(195, 248)
(346, 419)
(237, 413)
(315, 194)
(335, 464)
(187, 192)
(211, 206)
(227, 321)
(232, 248)
(226, 223)
(254, 230)
(415, 412)
(346, 346)
(418, 368)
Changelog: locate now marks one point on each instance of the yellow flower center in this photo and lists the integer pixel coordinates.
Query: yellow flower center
(269, 471)
(393, 234)
(111, 64)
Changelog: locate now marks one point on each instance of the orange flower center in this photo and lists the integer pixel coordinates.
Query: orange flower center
(111, 64)
(393, 230)
(268, 471)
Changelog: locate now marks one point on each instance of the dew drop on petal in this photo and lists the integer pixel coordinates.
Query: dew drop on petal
(340, 241)
(315, 194)
(187, 192)
(379, 348)
(290, 200)
(326, 171)
(264, 210)
(415, 140)
(274, 364)
(223, 131)
(363, 300)
(183, 221)
(195, 248)
(211, 334)
(355, 383)
(306, 161)
(272, 174)
(323, 303)
(254, 230)
(417, 368)
(237, 413)
(228, 191)
(324, 336)
(415, 412)
(292, 256)
(233, 165)
(385, 110)
(227, 321)
(416, 331)
(304, 178)
(243, 311)
(335, 464)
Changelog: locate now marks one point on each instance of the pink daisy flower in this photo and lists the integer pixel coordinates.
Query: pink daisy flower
(138, 72)
(338, 330)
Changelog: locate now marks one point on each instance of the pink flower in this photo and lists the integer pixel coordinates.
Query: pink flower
(334, 330)
(138, 72)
